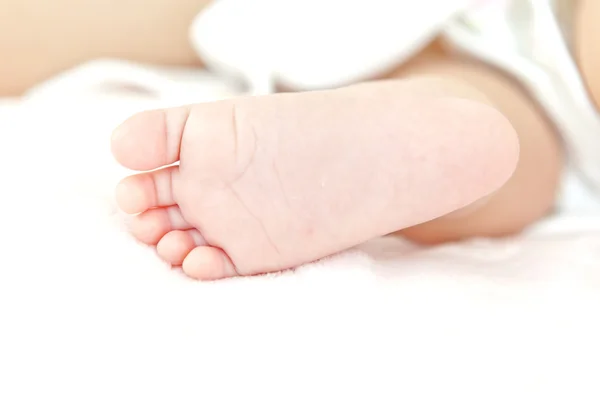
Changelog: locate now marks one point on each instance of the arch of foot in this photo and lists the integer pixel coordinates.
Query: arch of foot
(587, 37)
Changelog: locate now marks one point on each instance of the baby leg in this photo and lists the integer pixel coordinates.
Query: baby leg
(531, 192)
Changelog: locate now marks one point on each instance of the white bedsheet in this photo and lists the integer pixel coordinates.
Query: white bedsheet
(88, 313)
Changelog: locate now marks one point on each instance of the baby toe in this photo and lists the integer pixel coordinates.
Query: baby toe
(208, 263)
(176, 245)
(150, 226)
(138, 193)
(150, 139)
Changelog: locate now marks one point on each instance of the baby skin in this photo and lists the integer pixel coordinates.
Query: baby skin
(446, 150)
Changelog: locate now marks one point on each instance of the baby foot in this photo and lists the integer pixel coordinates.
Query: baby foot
(268, 183)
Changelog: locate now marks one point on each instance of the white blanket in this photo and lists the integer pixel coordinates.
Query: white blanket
(88, 313)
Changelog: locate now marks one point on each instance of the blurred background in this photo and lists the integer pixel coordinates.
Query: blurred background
(39, 38)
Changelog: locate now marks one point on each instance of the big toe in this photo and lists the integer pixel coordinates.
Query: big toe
(150, 139)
